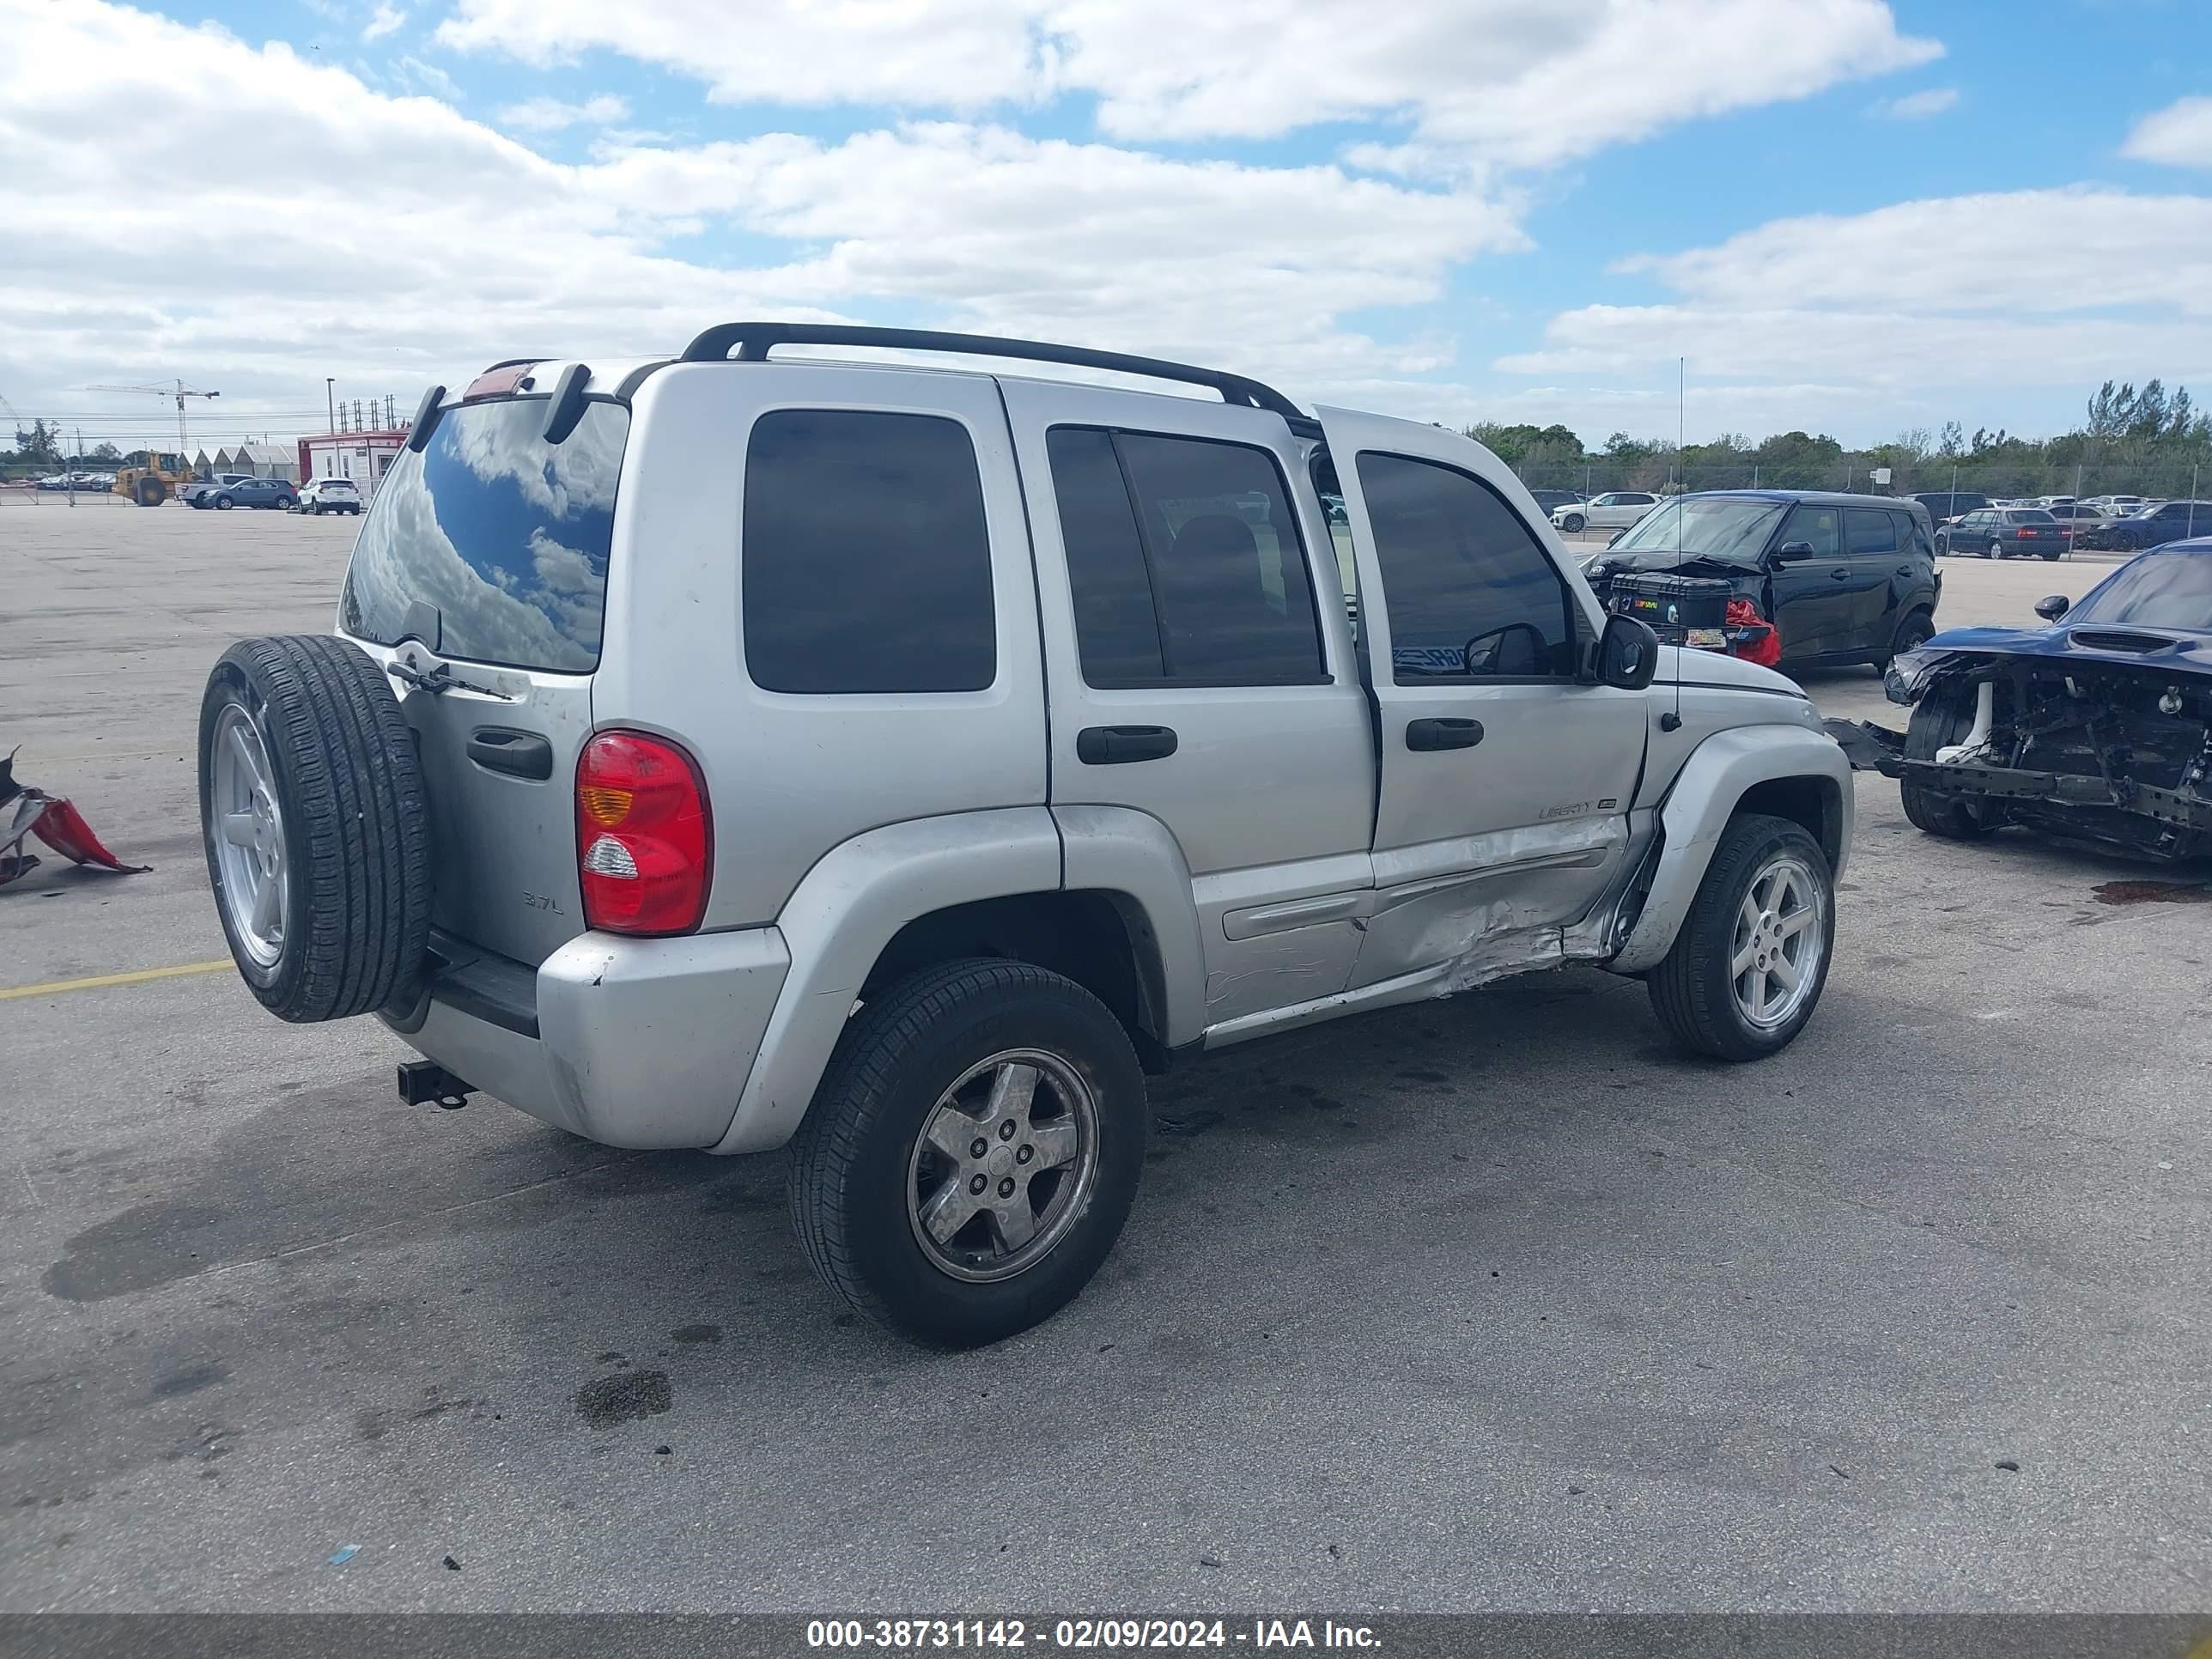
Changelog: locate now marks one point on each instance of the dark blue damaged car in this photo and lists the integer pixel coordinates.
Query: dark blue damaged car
(2097, 727)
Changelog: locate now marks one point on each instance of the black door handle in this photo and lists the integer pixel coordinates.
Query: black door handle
(1840, 573)
(1117, 745)
(1425, 736)
(518, 754)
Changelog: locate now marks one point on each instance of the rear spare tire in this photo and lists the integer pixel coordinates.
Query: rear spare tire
(315, 823)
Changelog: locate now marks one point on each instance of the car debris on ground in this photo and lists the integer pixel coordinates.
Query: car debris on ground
(26, 812)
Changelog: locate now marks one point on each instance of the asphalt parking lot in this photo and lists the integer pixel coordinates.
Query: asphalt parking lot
(1485, 1304)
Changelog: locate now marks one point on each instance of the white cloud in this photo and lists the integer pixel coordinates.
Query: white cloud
(2066, 287)
(1518, 82)
(419, 77)
(2180, 135)
(1917, 105)
(386, 20)
(459, 246)
(550, 114)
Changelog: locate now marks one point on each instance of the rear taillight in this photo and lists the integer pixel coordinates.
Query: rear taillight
(2029, 535)
(644, 837)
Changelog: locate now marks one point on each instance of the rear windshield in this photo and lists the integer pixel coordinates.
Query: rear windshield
(505, 535)
(2028, 515)
(1729, 528)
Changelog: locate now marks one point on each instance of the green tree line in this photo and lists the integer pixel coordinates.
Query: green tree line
(2143, 439)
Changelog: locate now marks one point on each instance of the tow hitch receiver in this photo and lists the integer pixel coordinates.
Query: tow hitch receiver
(422, 1079)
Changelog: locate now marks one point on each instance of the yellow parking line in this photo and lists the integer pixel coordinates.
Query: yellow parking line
(136, 976)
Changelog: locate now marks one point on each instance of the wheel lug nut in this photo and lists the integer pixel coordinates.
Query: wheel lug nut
(1007, 1130)
(1006, 1187)
(979, 1148)
(1024, 1154)
(977, 1185)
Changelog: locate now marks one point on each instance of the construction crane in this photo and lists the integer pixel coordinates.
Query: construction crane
(151, 485)
(175, 389)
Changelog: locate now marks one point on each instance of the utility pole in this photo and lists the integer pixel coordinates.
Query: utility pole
(330, 399)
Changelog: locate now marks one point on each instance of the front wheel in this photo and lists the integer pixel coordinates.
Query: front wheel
(1942, 546)
(972, 1153)
(223, 503)
(1573, 523)
(1747, 968)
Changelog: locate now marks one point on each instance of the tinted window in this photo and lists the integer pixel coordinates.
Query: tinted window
(2029, 515)
(1869, 531)
(505, 537)
(1184, 560)
(1116, 630)
(1910, 533)
(867, 565)
(1731, 527)
(1635, 501)
(1821, 526)
(1471, 594)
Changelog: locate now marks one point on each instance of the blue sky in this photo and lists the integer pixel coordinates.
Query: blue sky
(1847, 216)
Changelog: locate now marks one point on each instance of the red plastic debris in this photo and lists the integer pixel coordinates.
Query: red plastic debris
(1751, 636)
(24, 812)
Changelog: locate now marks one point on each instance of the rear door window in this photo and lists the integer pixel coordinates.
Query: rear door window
(502, 537)
(1184, 561)
(1869, 531)
(866, 560)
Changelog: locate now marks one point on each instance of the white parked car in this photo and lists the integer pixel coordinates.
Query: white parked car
(1616, 509)
(330, 496)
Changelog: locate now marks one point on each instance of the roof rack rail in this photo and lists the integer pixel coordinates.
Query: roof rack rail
(753, 340)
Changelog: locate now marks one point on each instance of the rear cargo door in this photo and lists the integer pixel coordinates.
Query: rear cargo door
(480, 574)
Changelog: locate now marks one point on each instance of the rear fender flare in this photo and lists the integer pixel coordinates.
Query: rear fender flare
(849, 907)
(1136, 860)
(1716, 777)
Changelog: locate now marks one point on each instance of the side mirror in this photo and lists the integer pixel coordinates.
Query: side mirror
(1790, 552)
(1615, 537)
(2052, 606)
(1627, 653)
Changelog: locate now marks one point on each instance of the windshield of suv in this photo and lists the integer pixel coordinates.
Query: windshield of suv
(506, 535)
(2159, 589)
(1730, 529)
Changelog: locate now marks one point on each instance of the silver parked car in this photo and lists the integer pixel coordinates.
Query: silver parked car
(1616, 509)
(899, 763)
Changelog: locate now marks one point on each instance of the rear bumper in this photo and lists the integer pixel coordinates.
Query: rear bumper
(632, 1042)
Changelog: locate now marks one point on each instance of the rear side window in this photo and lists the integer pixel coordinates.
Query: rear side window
(866, 560)
(1471, 594)
(1869, 531)
(501, 536)
(1184, 561)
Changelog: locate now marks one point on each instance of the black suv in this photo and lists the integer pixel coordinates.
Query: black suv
(1944, 505)
(1803, 576)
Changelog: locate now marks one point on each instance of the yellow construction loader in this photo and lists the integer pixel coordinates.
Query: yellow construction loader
(151, 485)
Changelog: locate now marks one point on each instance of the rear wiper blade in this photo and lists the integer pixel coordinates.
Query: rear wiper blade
(440, 678)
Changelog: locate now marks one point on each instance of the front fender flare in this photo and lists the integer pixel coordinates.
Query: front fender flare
(846, 910)
(1717, 775)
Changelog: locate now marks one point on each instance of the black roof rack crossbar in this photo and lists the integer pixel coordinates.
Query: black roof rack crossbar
(753, 340)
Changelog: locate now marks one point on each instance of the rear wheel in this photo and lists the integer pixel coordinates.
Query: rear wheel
(284, 503)
(1944, 716)
(1942, 546)
(1749, 966)
(315, 824)
(972, 1153)
(151, 492)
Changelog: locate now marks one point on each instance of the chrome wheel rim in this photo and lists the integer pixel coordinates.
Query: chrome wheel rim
(1776, 948)
(989, 1214)
(247, 827)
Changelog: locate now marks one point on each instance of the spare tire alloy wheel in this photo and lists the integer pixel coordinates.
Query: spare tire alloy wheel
(315, 824)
